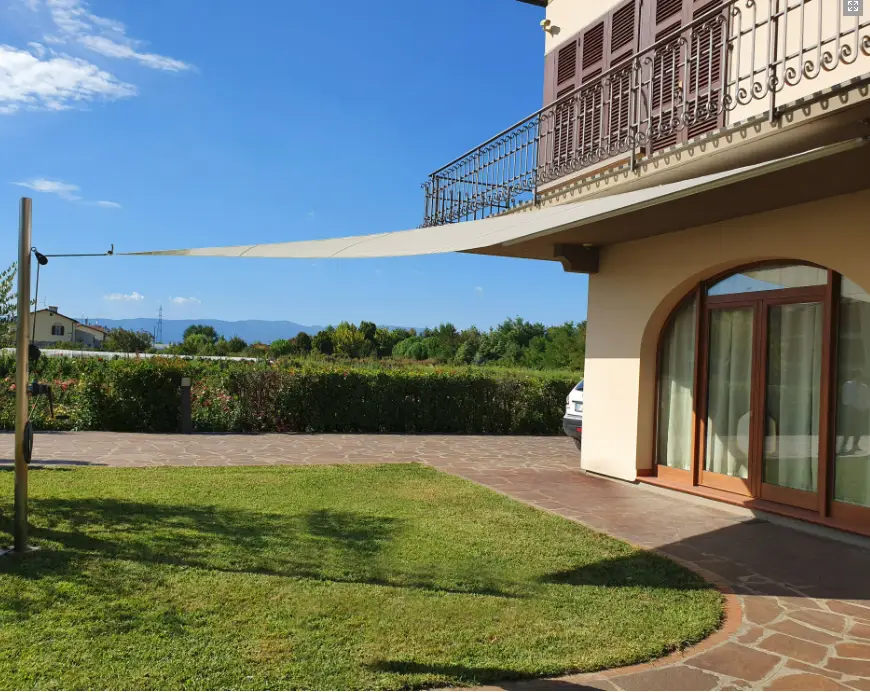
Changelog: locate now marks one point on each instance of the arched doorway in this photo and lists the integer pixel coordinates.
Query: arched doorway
(763, 390)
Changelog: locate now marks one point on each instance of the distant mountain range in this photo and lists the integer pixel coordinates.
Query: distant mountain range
(265, 331)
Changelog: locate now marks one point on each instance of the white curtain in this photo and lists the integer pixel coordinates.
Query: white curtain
(791, 451)
(676, 381)
(729, 387)
(852, 466)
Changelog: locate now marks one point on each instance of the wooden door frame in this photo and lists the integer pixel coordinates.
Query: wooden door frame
(768, 491)
(761, 302)
(710, 479)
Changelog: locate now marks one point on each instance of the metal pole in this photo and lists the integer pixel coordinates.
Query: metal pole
(21, 375)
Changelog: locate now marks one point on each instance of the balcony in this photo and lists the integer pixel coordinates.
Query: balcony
(737, 60)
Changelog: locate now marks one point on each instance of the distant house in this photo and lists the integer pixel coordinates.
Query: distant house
(51, 328)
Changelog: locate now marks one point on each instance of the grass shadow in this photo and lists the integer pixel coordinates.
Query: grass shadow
(640, 570)
(465, 675)
(321, 544)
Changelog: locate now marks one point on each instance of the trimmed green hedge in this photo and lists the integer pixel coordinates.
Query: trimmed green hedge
(142, 395)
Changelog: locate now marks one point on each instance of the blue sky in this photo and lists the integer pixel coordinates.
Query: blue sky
(158, 124)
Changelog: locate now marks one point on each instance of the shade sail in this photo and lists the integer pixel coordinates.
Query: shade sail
(471, 236)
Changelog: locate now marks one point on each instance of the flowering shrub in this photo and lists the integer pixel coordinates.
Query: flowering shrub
(142, 395)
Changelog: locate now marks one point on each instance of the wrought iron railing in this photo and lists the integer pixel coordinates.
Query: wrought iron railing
(734, 55)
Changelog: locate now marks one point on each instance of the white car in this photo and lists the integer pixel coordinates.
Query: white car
(572, 422)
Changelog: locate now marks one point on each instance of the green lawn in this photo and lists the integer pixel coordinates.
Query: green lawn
(393, 576)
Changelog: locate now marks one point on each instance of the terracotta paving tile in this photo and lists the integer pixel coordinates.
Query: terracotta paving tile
(862, 684)
(761, 610)
(669, 678)
(850, 666)
(850, 609)
(804, 681)
(737, 661)
(796, 629)
(825, 621)
(852, 650)
(793, 648)
(860, 631)
(752, 635)
(806, 667)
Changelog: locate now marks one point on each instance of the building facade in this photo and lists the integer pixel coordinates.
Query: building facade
(51, 328)
(719, 151)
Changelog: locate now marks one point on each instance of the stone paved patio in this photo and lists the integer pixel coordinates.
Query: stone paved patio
(799, 605)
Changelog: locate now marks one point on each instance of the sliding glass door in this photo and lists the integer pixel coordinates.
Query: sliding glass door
(730, 361)
(790, 453)
(762, 388)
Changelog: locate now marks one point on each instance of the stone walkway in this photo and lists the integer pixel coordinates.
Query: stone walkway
(798, 613)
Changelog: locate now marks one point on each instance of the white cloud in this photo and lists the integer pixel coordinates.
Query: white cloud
(124, 296)
(478, 289)
(75, 23)
(65, 191)
(53, 187)
(58, 82)
(184, 301)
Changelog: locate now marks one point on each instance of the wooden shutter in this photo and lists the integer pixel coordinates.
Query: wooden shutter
(705, 69)
(624, 28)
(593, 61)
(565, 81)
(671, 90)
(664, 18)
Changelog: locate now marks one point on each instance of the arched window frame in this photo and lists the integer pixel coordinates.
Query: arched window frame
(829, 511)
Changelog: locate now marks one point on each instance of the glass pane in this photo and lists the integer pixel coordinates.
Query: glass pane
(676, 380)
(728, 392)
(852, 465)
(770, 278)
(794, 362)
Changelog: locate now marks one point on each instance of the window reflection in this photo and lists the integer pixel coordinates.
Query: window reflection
(852, 465)
(770, 278)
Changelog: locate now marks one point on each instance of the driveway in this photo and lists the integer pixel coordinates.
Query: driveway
(798, 609)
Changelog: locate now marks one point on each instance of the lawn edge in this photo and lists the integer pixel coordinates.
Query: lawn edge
(730, 619)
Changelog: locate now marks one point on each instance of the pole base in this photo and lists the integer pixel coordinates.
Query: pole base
(11, 552)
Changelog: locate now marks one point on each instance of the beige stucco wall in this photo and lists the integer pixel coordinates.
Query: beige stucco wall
(570, 16)
(639, 283)
(44, 320)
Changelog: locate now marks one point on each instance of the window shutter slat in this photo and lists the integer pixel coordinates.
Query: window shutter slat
(566, 62)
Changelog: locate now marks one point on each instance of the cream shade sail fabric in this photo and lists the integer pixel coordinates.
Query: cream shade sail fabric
(474, 235)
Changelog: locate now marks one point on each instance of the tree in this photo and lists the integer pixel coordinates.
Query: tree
(413, 348)
(128, 341)
(281, 347)
(303, 343)
(207, 331)
(349, 341)
(8, 304)
(323, 341)
(236, 345)
(368, 329)
(196, 344)
(386, 340)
